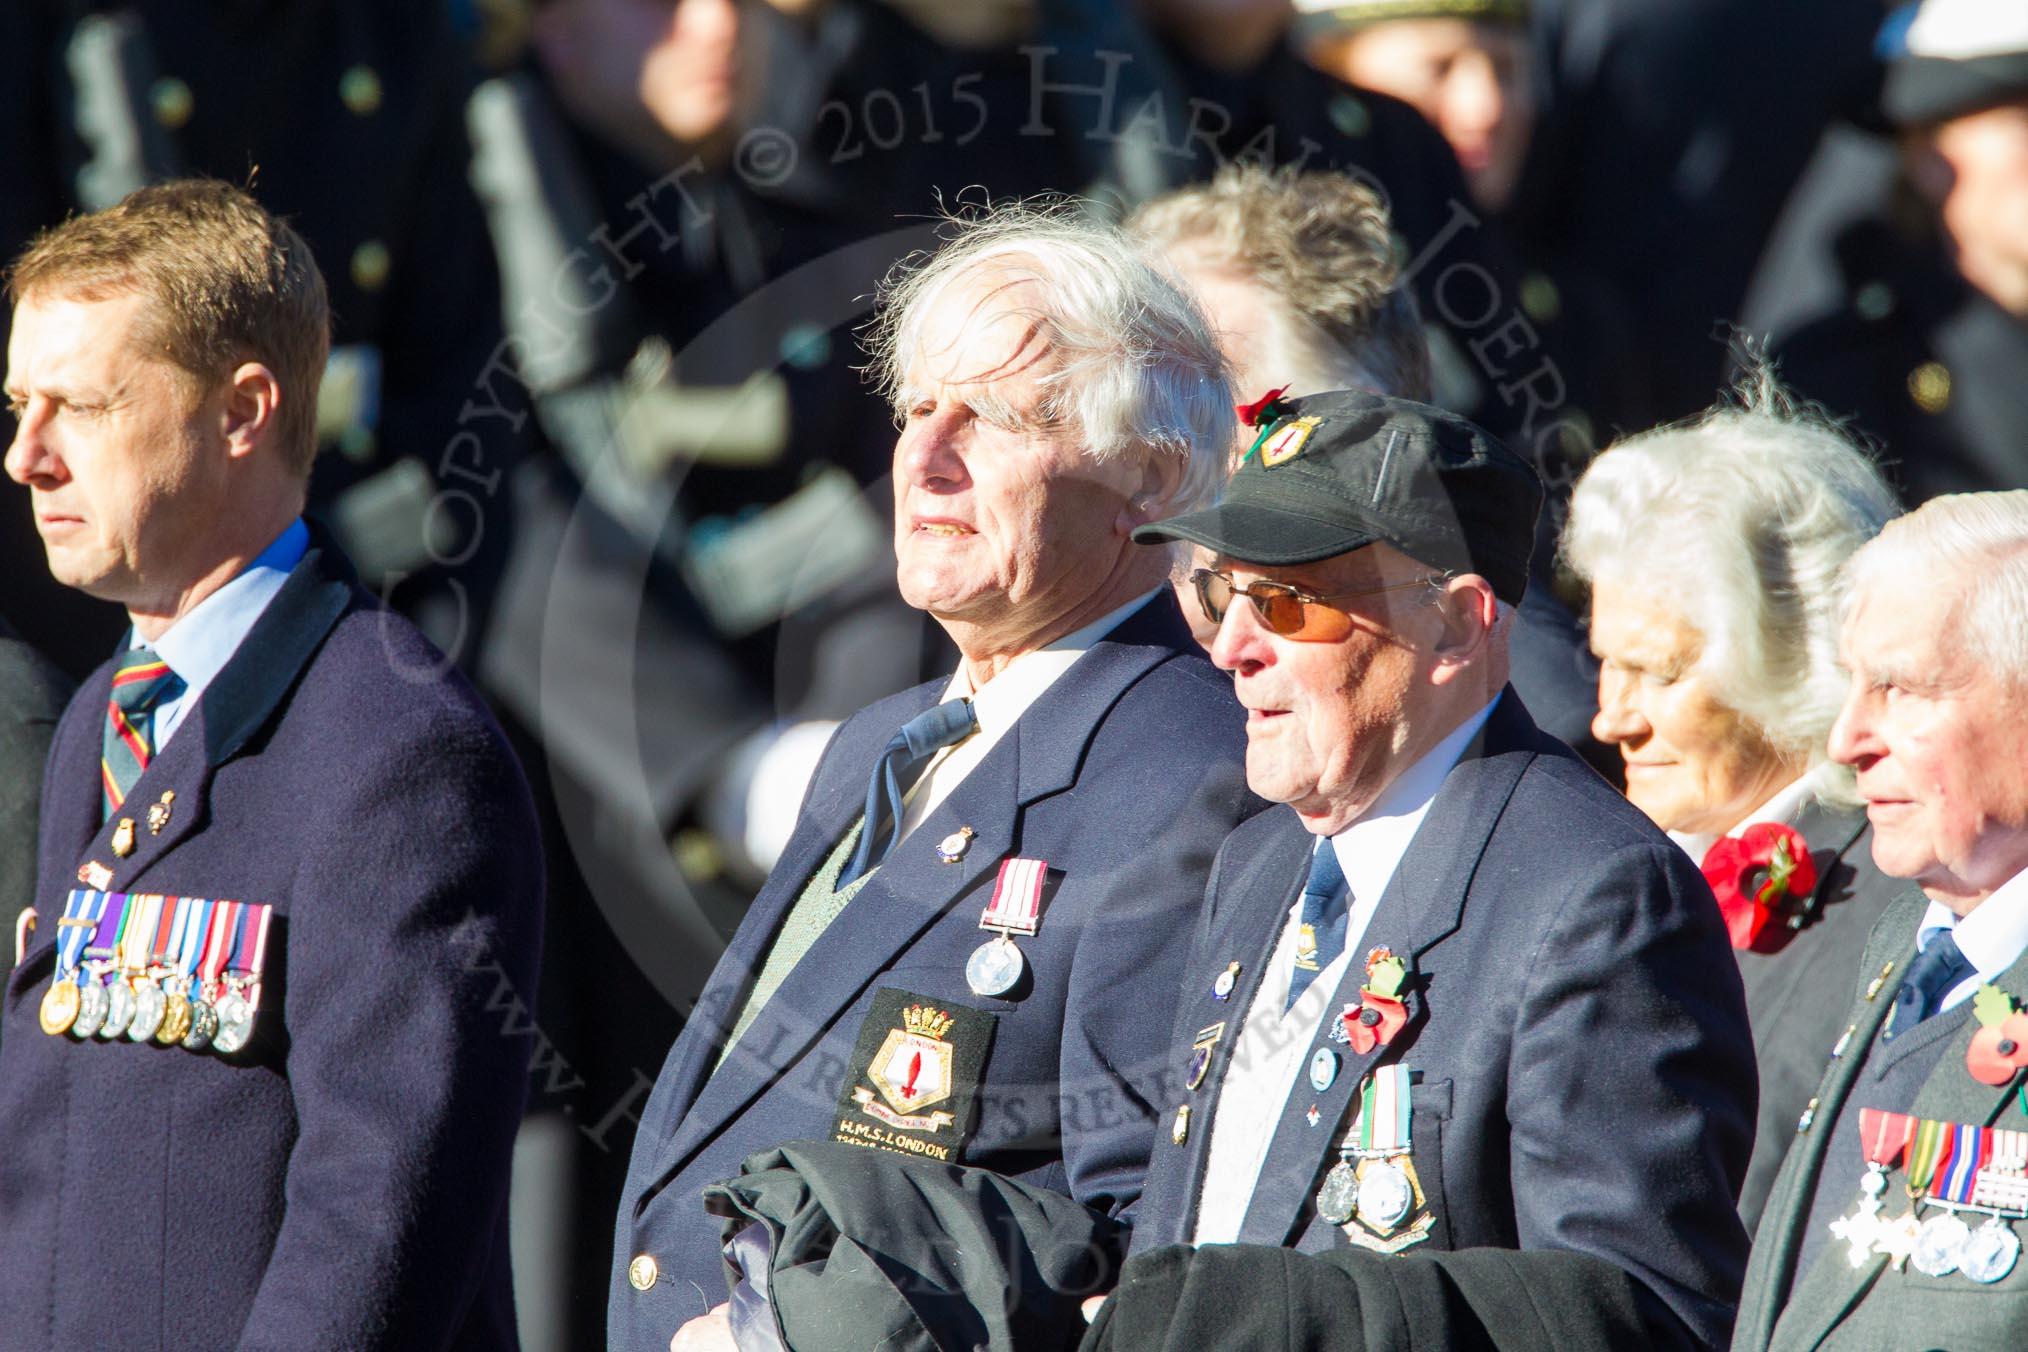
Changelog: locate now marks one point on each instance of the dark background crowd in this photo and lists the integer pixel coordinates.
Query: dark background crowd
(593, 416)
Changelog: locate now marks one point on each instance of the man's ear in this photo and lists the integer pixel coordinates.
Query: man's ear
(1161, 476)
(1467, 613)
(253, 401)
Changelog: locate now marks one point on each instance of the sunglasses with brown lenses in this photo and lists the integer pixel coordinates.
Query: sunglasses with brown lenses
(1288, 611)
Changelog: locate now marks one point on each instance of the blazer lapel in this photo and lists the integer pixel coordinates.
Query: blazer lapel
(1040, 755)
(1423, 904)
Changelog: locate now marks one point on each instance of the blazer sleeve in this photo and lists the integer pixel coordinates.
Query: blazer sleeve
(412, 949)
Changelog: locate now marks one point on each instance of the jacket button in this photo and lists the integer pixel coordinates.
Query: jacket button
(642, 1272)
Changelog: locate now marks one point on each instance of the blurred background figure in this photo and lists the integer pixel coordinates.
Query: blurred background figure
(1299, 277)
(1720, 698)
(35, 691)
(1925, 340)
(1468, 66)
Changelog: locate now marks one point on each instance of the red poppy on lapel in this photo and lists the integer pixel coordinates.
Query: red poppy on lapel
(1375, 1022)
(1766, 871)
(1252, 414)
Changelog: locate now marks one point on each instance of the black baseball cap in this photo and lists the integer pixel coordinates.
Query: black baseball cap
(1331, 473)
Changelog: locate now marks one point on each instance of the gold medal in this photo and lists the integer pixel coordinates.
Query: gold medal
(59, 1008)
(123, 837)
(175, 1019)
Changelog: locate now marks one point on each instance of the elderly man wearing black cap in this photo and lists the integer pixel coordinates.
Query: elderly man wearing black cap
(1461, 1061)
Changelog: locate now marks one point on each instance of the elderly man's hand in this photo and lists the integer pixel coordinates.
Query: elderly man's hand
(710, 1332)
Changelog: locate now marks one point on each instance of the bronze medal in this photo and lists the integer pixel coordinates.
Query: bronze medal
(175, 1019)
(59, 1008)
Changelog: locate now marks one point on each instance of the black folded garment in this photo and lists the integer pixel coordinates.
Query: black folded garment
(838, 1248)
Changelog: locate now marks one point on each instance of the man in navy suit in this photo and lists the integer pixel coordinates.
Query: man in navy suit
(265, 1100)
(1065, 788)
(1461, 1058)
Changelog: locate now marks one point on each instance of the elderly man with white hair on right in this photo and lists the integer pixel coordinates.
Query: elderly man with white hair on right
(1719, 696)
(1895, 1221)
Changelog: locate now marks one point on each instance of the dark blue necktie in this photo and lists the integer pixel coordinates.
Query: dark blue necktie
(1936, 969)
(1326, 906)
(895, 773)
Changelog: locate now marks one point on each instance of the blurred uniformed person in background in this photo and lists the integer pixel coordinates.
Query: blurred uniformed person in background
(1928, 345)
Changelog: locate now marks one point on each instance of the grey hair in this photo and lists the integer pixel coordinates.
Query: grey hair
(1135, 368)
(1321, 247)
(1981, 537)
(1741, 520)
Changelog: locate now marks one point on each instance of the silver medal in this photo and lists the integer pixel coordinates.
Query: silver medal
(235, 1023)
(203, 1026)
(994, 967)
(1385, 1195)
(1939, 1243)
(91, 1009)
(149, 1006)
(1990, 1252)
(1338, 1198)
(119, 1009)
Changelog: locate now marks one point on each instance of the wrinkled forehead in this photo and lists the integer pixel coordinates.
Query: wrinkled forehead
(981, 325)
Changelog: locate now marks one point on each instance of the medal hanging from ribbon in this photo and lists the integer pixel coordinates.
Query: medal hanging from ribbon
(1372, 1190)
(151, 1001)
(74, 931)
(94, 1001)
(1941, 1240)
(178, 1012)
(210, 962)
(241, 1000)
(1883, 1136)
(995, 967)
(119, 987)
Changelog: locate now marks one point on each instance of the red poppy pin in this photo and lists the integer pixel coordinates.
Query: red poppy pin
(1766, 871)
(1999, 1050)
(1258, 412)
(1379, 1015)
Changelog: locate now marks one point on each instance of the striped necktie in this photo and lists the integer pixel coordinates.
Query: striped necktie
(142, 681)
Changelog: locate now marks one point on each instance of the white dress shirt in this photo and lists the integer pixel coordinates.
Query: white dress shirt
(198, 645)
(1992, 937)
(1270, 1058)
(996, 705)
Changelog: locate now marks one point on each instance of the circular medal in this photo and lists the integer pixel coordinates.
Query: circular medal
(175, 1019)
(1221, 989)
(953, 846)
(1323, 1069)
(994, 967)
(1938, 1243)
(59, 1007)
(1385, 1195)
(119, 1009)
(235, 1023)
(203, 1026)
(148, 1007)
(1337, 1199)
(1990, 1252)
(92, 1003)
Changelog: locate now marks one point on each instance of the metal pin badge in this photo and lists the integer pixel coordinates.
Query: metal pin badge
(953, 846)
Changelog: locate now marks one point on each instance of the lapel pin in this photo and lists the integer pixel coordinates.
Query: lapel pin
(1313, 1117)
(1221, 989)
(95, 875)
(158, 813)
(952, 847)
(1323, 1069)
(123, 837)
(1181, 1131)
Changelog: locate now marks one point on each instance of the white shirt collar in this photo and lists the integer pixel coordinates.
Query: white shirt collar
(1370, 849)
(199, 644)
(1784, 806)
(1992, 937)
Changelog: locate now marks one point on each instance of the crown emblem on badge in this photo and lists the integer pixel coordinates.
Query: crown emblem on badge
(926, 1022)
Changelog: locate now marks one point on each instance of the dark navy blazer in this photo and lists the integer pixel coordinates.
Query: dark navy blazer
(342, 1182)
(1587, 1079)
(1123, 776)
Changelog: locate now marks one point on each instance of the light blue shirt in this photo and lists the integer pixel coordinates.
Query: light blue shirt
(198, 646)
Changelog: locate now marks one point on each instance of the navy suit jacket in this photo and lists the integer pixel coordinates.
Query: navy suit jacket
(1586, 1075)
(341, 1182)
(1123, 776)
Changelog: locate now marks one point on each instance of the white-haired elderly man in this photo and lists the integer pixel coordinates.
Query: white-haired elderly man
(1720, 699)
(970, 949)
(1895, 1220)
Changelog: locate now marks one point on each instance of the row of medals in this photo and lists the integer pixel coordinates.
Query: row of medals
(149, 1009)
(1379, 1193)
(1939, 1244)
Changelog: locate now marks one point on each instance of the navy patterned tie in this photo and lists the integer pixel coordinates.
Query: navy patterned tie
(895, 774)
(1929, 978)
(1326, 907)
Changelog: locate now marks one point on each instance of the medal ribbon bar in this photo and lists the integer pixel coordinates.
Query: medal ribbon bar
(1016, 907)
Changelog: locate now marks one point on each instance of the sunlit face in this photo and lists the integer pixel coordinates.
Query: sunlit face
(1940, 744)
(1471, 80)
(1001, 523)
(1693, 764)
(1330, 725)
(125, 464)
(1976, 168)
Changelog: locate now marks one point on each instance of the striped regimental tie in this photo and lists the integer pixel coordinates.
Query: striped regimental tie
(142, 682)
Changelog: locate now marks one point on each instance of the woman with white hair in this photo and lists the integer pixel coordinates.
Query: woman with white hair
(1713, 551)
